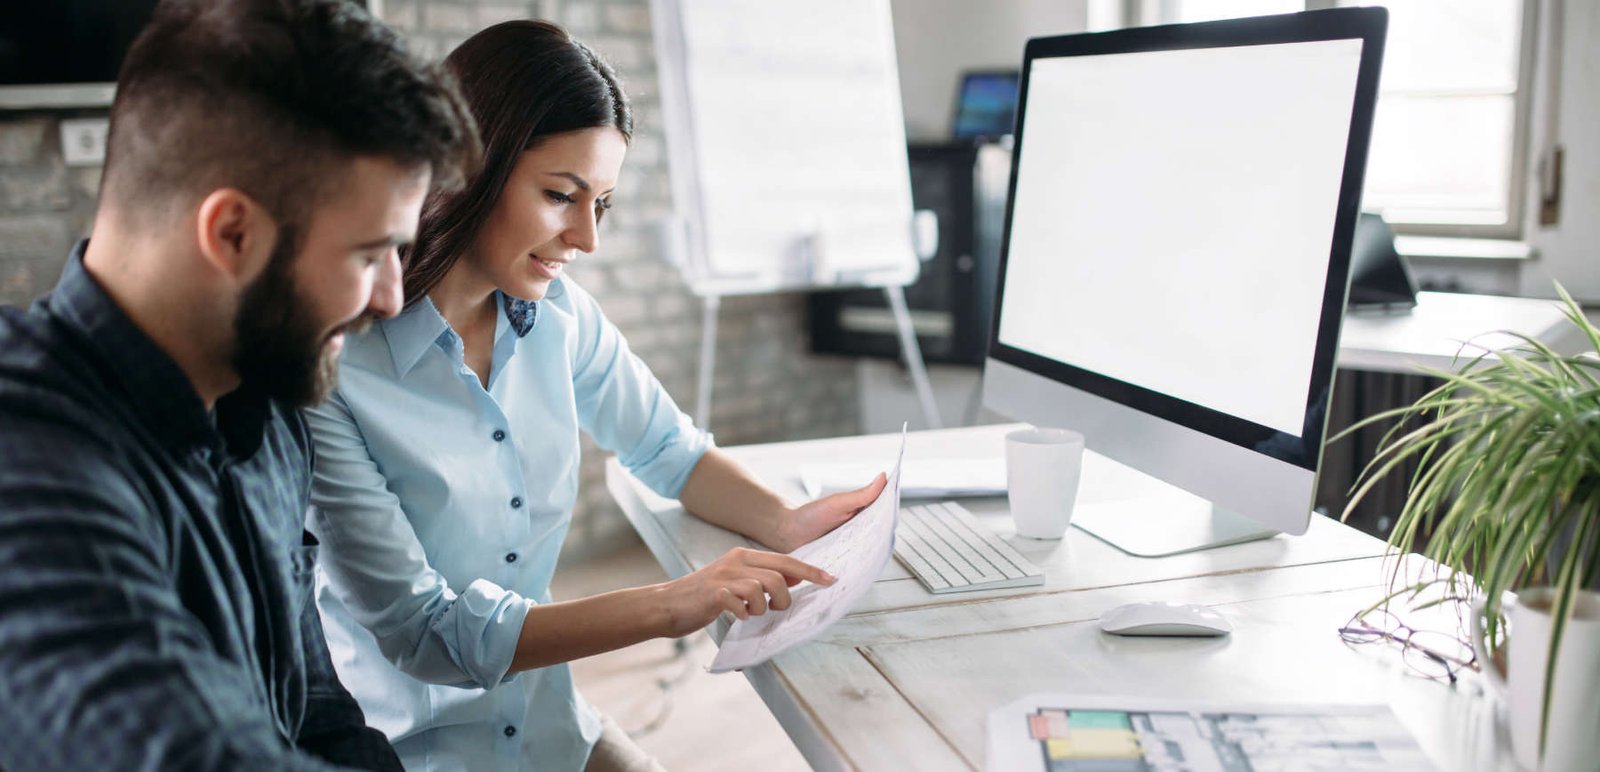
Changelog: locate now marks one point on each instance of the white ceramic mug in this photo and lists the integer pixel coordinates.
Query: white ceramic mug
(1043, 467)
(1573, 739)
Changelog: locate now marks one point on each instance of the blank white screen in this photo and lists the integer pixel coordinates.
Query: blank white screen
(1173, 219)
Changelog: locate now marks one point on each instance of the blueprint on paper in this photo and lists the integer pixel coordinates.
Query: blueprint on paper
(1062, 733)
(856, 553)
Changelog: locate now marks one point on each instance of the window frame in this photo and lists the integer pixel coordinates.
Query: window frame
(1143, 12)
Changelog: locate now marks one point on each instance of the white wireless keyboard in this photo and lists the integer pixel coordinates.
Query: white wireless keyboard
(948, 550)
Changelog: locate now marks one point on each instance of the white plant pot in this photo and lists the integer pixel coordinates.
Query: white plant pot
(1573, 740)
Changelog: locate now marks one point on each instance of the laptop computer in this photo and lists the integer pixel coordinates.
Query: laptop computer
(1380, 282)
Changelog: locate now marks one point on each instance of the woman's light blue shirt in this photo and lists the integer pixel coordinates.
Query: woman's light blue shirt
(442, 506)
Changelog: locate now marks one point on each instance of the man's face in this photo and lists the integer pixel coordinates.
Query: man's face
(292, 319)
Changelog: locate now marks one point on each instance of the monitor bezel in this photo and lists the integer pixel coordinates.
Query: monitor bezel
(1365, 24)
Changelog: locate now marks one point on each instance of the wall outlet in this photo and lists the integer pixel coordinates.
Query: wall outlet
(83, 141)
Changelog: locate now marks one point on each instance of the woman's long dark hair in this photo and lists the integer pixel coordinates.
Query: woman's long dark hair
(523, 81)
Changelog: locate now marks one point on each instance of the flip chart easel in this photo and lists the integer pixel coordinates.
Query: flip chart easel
(786, 144)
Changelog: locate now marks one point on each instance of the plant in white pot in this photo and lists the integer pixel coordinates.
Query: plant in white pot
(1506, 496)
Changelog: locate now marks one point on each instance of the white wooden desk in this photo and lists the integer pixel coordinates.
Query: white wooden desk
(1432, 334)
(907, 679)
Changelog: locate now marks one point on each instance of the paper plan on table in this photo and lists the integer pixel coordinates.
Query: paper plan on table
(1063, 733)
(855, 552)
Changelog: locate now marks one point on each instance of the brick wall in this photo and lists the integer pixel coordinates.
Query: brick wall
(44, 205)
(767, 386)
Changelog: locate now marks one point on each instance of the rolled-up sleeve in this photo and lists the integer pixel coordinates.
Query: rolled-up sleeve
(625, 409)
(377, 568)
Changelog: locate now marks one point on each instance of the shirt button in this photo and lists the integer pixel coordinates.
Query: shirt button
(511, 557)
(499, 434)
(511, 731)
(516, 502)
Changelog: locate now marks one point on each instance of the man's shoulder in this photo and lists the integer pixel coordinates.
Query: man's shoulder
(73, 466)
(42, 359)
(64, 462)
(52, 391)
(25, 338)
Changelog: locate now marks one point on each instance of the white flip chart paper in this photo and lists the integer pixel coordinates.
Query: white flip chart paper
(787, 143)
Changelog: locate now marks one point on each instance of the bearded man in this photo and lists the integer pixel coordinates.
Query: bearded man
(266, 159)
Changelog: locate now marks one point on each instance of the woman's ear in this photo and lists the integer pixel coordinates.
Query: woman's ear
(235, 234)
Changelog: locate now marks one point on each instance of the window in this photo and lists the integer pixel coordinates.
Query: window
(1449, 140)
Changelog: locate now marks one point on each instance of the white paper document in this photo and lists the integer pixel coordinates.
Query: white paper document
(920, 478)
(856, 553)
(1116, 734)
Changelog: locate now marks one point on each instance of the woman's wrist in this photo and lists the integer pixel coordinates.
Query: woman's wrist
(785, 530)
(657, 610)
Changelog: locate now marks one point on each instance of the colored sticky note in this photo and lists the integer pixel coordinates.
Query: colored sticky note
(1057, 725)
(1102, 744)
(1039, 727)
(1098, 719)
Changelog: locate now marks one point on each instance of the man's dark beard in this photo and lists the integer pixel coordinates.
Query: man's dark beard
(278, 343)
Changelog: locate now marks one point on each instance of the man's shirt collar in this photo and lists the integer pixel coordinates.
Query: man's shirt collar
(168, 403)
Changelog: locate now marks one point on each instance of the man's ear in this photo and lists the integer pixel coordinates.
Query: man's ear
(235, 234)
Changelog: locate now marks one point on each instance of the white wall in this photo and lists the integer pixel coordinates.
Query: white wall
(1569, 252)
(936, 40)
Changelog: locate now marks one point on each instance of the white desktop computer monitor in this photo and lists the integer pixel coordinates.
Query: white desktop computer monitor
(1176, 258)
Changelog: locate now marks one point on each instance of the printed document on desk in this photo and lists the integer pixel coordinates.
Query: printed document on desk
(1058, 731)
(856, 553)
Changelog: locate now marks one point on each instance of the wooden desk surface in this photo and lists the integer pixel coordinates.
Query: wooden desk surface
(907, 679)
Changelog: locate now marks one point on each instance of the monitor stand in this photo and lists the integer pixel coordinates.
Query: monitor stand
(1157, 528)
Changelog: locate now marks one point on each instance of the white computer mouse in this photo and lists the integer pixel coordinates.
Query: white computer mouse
(1175, 619)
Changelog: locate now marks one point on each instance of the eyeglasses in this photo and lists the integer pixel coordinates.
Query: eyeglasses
(1428, 653)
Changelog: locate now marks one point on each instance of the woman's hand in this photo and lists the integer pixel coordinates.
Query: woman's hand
(809, 521)
(743, 582)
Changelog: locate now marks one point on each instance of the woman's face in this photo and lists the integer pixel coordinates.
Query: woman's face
(549, 210)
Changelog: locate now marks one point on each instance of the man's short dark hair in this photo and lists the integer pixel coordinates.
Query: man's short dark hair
(271, 97)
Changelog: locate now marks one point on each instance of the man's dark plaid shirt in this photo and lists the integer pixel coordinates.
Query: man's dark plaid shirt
(155, 606)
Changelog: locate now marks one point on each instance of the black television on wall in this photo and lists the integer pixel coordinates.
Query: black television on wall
(66, 53)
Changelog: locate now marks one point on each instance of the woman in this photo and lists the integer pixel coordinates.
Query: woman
(447, 459)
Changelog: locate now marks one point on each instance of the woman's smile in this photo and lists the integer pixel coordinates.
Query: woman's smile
(549, 269)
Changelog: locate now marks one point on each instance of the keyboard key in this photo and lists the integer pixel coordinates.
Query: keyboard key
(948, 550)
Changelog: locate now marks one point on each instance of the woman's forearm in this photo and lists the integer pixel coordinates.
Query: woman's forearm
(553, 633)
(722, 492)
(719, 491)
(743, 582)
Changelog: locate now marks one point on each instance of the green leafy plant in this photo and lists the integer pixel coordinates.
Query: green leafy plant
(1506, 488)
